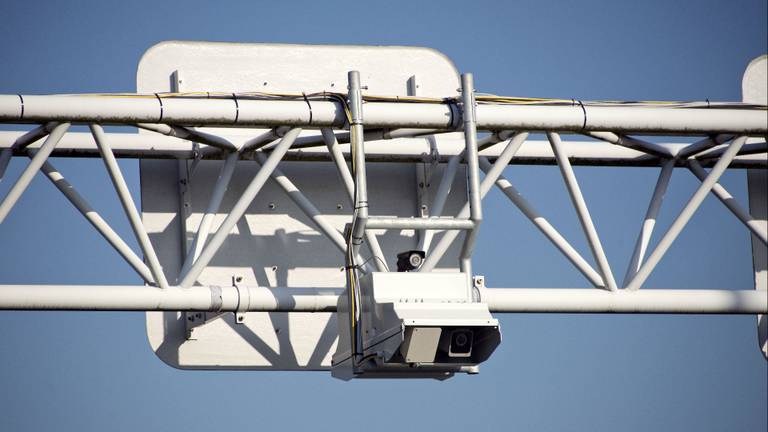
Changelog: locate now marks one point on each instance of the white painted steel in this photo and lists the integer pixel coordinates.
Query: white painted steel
(219, 190)
(649, 222)
(533, 152)
(306, 206)
(633, 143)
(147, 298)
(126, 200)
(545, 227)
(189, 134)
(702, 145)
(97, 221)
(582, 211)
(420, 223)
(438, 204)
(349, 184)
(473, 172)
(239, 209)
(730, 202)
(107, 109)
(32, 168)
(572, 300)
(686, 214)
(447, 239)
(274, 299)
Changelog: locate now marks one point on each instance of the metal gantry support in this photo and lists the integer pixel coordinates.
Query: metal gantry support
(385, 119)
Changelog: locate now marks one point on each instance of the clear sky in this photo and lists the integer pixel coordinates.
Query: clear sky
(95, 371)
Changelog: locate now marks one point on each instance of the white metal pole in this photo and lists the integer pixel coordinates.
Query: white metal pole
(448, 237)
(29, 172)
(730, 202)
(473, 171)
(701, 145)
(96, 221)
(443, 189)
(545, 227)
(219, 190)
(128, 205)
(349, 184)
(239, 209)
(633, 143)
(282, 299)
(355, 99)
(582, 211)
(190, 135)
(309, 209)
(667, 301)
(686, 214)
(386, 115)
(649, 222)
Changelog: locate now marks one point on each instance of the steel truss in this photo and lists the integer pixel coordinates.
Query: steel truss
(173, 118)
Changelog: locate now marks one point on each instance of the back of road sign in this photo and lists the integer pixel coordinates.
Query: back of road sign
(754, 90)
(275, 244)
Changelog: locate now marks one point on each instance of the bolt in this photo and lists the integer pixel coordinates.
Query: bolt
(339, 207)
(265, 83)
(239, 318)
(274, 268)
(238, 279)
(272, 206)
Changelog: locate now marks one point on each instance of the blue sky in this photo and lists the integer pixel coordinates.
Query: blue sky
(95, 371)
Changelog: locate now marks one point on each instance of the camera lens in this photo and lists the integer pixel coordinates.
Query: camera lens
(415, 260)
(461, 342)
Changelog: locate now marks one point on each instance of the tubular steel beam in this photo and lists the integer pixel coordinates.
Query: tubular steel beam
(447, 239)
(545, 227)
(582, 211)
(579, 118)
(730, 202)
(420, 223)
(473, 171)
(655, 301)
(190, 135)
(29, 172)
(649, 221)
(633, 143)
(129, 206)
(97, 221)
(239, 209)
(533, 152)
(281, 299)
(702, 145)
(204, 229)
(349, 185)
(441, 196)
(686, 214)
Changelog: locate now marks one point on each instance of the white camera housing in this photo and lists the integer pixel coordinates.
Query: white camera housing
(416, 325)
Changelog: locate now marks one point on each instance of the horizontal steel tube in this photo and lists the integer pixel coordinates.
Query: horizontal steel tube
(419, 223)
(147, 298)
(533, 152)
(281, 299)
(209, 112)
(667, 301)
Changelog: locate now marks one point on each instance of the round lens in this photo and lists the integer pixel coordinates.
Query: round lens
(461, 339)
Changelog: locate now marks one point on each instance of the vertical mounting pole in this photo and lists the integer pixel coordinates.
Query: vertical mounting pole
(355, 100)
(360, 218)
(473, 173)
(349, 184)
